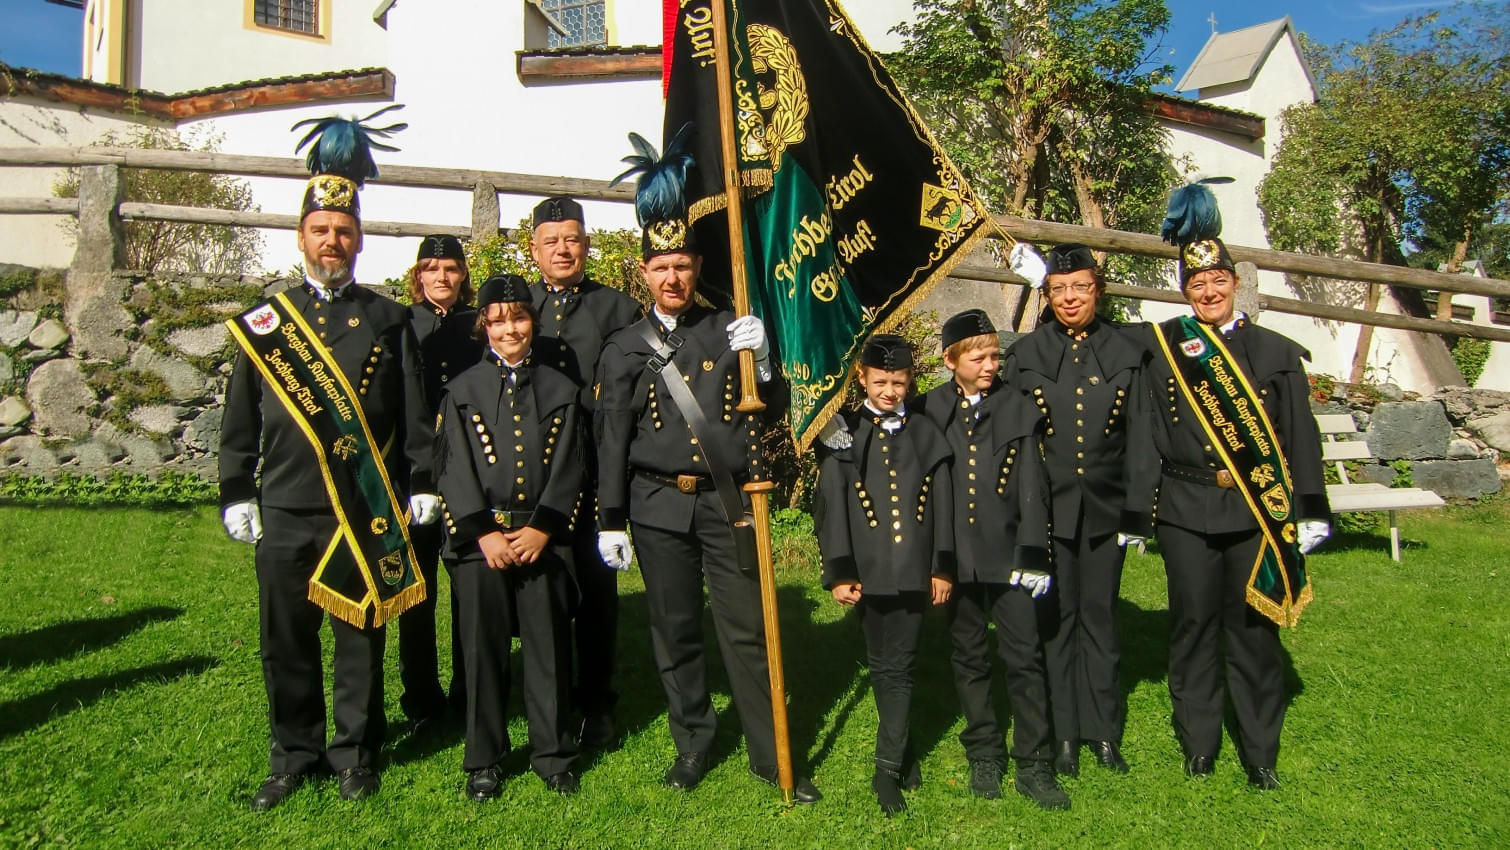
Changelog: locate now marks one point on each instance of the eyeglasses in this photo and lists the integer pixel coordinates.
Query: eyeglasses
(1079, 287)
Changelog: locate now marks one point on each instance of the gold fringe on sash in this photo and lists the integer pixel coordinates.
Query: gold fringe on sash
(398, 603)
(352, 613)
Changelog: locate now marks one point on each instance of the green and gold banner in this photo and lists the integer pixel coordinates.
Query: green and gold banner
(369, 563)
(853, 212)
(1234, 419)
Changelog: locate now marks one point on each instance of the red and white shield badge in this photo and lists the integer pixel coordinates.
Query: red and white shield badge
(263, 320)
(1193, 347)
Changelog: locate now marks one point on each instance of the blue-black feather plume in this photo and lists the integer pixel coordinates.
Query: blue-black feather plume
(344, 146)
(661, 193)
(1193, 214)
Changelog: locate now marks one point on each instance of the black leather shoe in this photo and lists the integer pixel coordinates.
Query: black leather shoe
(803, 789)
(985, 778)
(485, 784)
(1036, 781)
(564, 783)
(686, 771)
(1263, 778)
(357, 783)
(597, 731)
(887, 784)
(275, 790)
(1200, 765)
(1067, 758)
(1108, 756)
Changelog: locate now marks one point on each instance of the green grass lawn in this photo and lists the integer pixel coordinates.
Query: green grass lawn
(132, 714)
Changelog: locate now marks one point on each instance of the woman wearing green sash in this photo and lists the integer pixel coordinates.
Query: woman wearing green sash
(1238, 502)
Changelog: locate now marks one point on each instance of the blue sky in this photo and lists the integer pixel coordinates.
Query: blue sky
(46, 36)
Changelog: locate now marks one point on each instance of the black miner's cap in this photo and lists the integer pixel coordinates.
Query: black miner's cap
(965, 325)
(559, 208)
(886, 351)
(1070, 257)
(503, 289)
(441, 246)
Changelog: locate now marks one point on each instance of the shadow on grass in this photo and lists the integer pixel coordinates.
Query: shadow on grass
(21, 715)
(1375, 540)
(63, 640)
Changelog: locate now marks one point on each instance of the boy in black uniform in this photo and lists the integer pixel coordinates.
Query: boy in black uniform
(883, 530)
(509, 463)
(1001, 544)
(577, 315)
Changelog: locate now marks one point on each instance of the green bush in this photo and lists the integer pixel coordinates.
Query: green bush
(118, 488)
(612, 260)
(1471, 355)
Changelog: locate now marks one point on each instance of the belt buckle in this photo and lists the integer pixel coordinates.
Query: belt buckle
(1224, 479)
(686, 483)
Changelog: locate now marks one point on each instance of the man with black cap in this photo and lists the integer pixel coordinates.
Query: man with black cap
(441, 313)
(1001, 542)
(509, 463)
(1084, 375)
(577, 314)
(1239, 497)
(327, 380)
(672, 449)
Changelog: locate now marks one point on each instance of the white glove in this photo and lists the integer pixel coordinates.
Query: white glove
(1126, 540)
(1035, 581)
(1025, 261)
(1311, 532)
(835, 434)
(243, 521)
(748, 332)
(613, 548)
(424, 508)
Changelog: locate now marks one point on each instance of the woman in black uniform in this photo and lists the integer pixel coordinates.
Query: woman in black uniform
(1082, 372)
(440, 295)
(1240, 498)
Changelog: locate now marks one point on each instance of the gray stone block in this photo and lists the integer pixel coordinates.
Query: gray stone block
(27, 454)
(7, 368)
(199, 342)
(1390, 392)
(96, 455)
(185, 381)
(1493, 430)
(148, 452)
(42, 355)
(204, 432)
(1457, 479)
(13, 412)
(1463, 404)
(60, 399)
(1412, 430)
(49, 334)
(157, 418)
(1461, 449)
(15, 325)
(1375, 473)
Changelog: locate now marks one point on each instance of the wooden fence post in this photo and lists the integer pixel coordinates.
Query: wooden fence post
(484, 211)
(1248, 298)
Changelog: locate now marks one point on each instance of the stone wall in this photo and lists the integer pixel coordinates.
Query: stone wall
(152, 403)
(1450, 443)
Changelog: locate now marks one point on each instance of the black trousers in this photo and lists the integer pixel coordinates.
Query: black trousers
(595, 621)
(675, 566)
(892, 626)
(418, 664)
(1207, 602)
(972, 607)
(291, 546)
(1083, 654)
(488, 599)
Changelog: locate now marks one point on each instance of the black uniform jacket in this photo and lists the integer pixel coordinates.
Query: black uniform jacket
(1272, 364)
(505, 447)
(448, 345)
(372, 342)
(574, 324)
(1087, 388)
(649, 434)
(884, 507)
(1001, 493)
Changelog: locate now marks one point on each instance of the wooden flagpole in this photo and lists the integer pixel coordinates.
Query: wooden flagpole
(750, 402)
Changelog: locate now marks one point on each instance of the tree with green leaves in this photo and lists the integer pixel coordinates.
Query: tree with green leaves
(1408, 137)
(1043, 105)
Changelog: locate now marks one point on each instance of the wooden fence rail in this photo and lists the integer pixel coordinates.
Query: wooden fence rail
(487, 185)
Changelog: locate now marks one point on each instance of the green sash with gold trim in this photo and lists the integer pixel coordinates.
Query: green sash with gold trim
(369, 562)
(1238, 428)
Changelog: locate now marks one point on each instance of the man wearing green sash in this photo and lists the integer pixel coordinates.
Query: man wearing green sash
(325, 454)
(1239, 502)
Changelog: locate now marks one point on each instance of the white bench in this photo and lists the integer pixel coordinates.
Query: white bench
(1348, 496)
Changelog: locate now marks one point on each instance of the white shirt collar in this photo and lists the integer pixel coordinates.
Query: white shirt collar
(323, 292)
(668, 321)
(900, 411)
(1236, 317)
